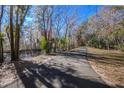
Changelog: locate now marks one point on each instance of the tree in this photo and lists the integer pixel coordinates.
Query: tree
(80, 34)
(105, 29)
(1, 35)
(20, 14)
(11, 34)
(45, 20)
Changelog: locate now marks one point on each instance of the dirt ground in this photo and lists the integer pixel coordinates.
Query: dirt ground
(108, 64)
(8, 72)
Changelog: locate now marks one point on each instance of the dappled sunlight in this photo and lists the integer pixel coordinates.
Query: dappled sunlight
(52, 77)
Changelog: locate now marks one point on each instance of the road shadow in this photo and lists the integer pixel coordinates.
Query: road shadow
(30, 72)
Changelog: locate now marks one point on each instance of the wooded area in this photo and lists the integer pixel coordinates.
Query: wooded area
(56, 29)
(52, 29)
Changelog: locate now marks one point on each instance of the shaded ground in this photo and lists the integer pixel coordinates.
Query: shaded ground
(109, 65)
(69, 69)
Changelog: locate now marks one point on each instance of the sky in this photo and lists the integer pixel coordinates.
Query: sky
(86, 11)
(83, 11)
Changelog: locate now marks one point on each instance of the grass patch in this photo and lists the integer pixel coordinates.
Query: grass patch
(108, 64)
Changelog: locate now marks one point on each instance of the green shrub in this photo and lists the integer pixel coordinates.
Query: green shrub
(1, 35)
(121, 48)
(43, 43)
(63, 43)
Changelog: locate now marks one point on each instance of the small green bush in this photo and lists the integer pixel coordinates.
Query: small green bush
(43, 43)
(1, 35)
(121, 48)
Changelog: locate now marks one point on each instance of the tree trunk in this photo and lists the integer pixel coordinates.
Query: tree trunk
(1, 50)
(17, 40)
(1, 37)
(17, 36)
(11, 34)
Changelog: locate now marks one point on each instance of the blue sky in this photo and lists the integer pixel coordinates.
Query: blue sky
(83, 12)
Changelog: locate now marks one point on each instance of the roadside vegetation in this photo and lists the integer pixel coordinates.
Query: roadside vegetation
(109, 64)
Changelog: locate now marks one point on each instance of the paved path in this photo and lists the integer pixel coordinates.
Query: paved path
(69, 69)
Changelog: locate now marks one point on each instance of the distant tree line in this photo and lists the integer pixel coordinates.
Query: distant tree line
(105, 30)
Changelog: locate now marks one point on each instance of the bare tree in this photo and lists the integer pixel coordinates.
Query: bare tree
(20, 13)
(1, 36)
